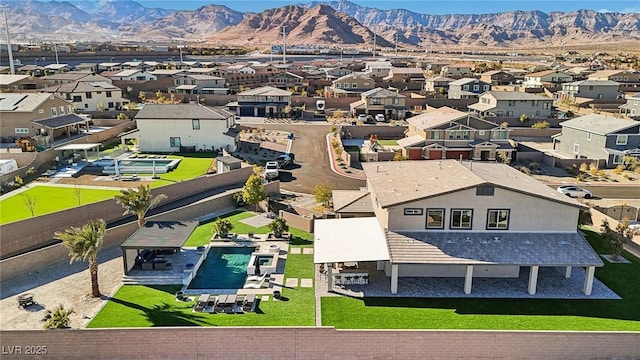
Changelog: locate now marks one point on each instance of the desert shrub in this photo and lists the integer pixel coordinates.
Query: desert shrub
(584, 167)
(541, 125)
(619, 169)
(534, 166)
(525, 170)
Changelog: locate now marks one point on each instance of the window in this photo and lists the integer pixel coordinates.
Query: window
(40, 111)
(376, 101)
(576, 148)
(22, 130)
(174, 141)
(337, 85)
(108, 93)
(54, 112)
(61, 110)
(394, 101)
(435, 218)
(195, 124)
(476, 87)
(509, 113)
(546, 105)
(498, 219)
(486, 88)
(346, 85)
(435, 135)
(110, 105)
(458, 135)
(485, 190)
(621, 139)
(77, 98)
(480, 132)
(465, 87)
(413, 211)
(589, 136)
(617, 159)
(69, 109)
(354, 85)
(88, 95)
(511, 103)
(535, 102)
(461, 218)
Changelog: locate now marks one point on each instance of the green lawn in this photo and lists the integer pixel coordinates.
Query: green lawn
(191, 166)
(48, 199)
(504, 314)
(145, 306)
(388, 142)
(202, 234)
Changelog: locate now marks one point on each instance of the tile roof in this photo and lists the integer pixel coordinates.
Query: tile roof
(507, 248)
(22, 102)
(515, 95)
(7, 79)
(465, 81)
(599, 124)
(436, 117)
(181, 111)
(266, 91)
(381, 93)
(394, 183)
(351, 201)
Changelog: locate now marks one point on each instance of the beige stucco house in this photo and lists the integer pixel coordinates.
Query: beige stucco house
(452, 219)
(18, 110)
(380, 101)
(512, 104)
(351, 85)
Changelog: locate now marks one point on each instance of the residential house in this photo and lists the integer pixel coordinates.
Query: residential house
(456, 71)
(380, 101)
(435, 68)
(201, 71)
(18, 110)
(56, 68)
(497, 77)
(31, 70)
(599, 137)
(512, 104)
(405, 75)
(550, 79)
(629, 80)
(133, 74)
(184, 127)
(467, 88)
(199, 84)
(109, 66)
(434, 84)
(263, 101)
(351, 85)
(22, 83)
(90, 96)
(240, 69)
(352, 203)
(74, 76)
(590, 89)
(451, 219)
(285, 80)
(377, 69)
(334, 73)
(632, 107)
(446, 133)
(166, 73)
(132, 65)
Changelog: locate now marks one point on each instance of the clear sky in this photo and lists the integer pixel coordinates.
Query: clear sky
(421, 6)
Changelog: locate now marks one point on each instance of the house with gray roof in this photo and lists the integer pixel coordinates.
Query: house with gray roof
(19, 110)
(90, 96)
(590, 89)
(512, 104)
(467, 88)
(632, 106)
(466, 220)
(263, 101)
(446, 133)
(380, 101)
(171, 128)
(186, 83)
(599, 137)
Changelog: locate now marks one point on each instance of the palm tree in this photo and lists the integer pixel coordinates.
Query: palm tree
(138, 202)
(83, 244)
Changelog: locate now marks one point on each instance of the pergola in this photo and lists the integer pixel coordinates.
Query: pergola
(349, 240)
(156, 235)
(62, 122)
(81, 147)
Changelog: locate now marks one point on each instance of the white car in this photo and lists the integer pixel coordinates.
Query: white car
(271, 170)
(362, 117)
(380, 118)
(574, 191)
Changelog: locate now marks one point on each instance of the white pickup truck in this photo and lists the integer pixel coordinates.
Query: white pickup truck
(271, 170)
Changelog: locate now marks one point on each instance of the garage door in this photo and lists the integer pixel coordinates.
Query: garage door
(435, 154)
(456, 155)
(415, 154)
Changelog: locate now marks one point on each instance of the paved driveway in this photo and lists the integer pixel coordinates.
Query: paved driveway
(311, 159)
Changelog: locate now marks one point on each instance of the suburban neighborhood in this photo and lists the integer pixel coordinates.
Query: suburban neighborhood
(321, 199)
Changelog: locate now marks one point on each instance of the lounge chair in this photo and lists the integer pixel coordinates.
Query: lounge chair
(249, 303)
(201, 304)
(256, 284)
(219, 304)
(256, 278)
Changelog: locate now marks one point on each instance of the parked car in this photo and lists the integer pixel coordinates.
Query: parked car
(271, 170)
(574, 191)
(362, 117)
(380, 118)
(284, 160)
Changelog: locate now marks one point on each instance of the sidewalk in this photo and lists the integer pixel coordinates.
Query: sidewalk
(343, 170)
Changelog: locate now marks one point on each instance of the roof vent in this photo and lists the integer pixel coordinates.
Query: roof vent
(485, 242)
(563, 242)
(468, 240)
(527, 242)
(449, 241)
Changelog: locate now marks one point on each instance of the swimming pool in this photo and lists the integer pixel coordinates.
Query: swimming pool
(224, 268)
(138, 166)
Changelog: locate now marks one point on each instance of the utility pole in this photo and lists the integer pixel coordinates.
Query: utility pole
(284, 44)
(55, 48)
(180, 47)
(6, 27)
(396, 44)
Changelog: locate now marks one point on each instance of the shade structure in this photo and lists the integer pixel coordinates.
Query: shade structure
(347, 240)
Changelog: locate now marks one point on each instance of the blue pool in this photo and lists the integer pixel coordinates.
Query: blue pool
(224, 268)
(137, 166)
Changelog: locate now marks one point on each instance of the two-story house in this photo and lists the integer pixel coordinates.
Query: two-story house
(337, 72)
(193, 127)
(351, 85)
(456, 71)
(263, 101)
(285, 80)
(10, 83)
(74, 76)
(199, 84)
(380, 101)
(133, 74)
(497, 77)
(377, 69)
(467, 88)
(632, 107)
(512, 104)
(458, 222)
(590, 89)
(446, 133)
(18, 110)
(434, 84)
(550, 79)
(405, 75)
(90, 96)
(629, 80)
(599, 137)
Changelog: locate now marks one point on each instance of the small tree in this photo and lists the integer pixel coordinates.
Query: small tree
(138, 202)
(78, 192)
(442, 91)
(541, 125)
(30, 202)
(524, 118)
(142, 96)
(131, 106)
(222, 227)
(17, 181)
(253, 191)
(323, 194)
(617, 238)
(278, 226)
(122, 116)
(287, 110)
(101, 106)
(58, 318)
(504, 157)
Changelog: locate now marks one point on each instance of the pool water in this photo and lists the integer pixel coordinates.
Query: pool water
(144, 163)
(224, 268)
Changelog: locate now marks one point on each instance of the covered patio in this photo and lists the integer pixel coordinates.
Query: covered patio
(85, 148)
(53, 127)
(349, 242)
(157, 246)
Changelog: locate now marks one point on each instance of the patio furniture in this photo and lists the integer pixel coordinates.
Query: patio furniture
(256, 284)
(256, 278)
(249, 303)
(201, 304)
(230, 303)
(277, 294)
(180, 295)
(147, 266)
(219, 304)
(25, 300)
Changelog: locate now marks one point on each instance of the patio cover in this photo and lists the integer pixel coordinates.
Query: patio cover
(160, 235)
(347, 240)
(61, 121)
(88, 146)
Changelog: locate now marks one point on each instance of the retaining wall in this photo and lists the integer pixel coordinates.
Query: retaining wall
(317, 343)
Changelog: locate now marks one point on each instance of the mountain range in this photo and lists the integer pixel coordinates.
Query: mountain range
(314, 23)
